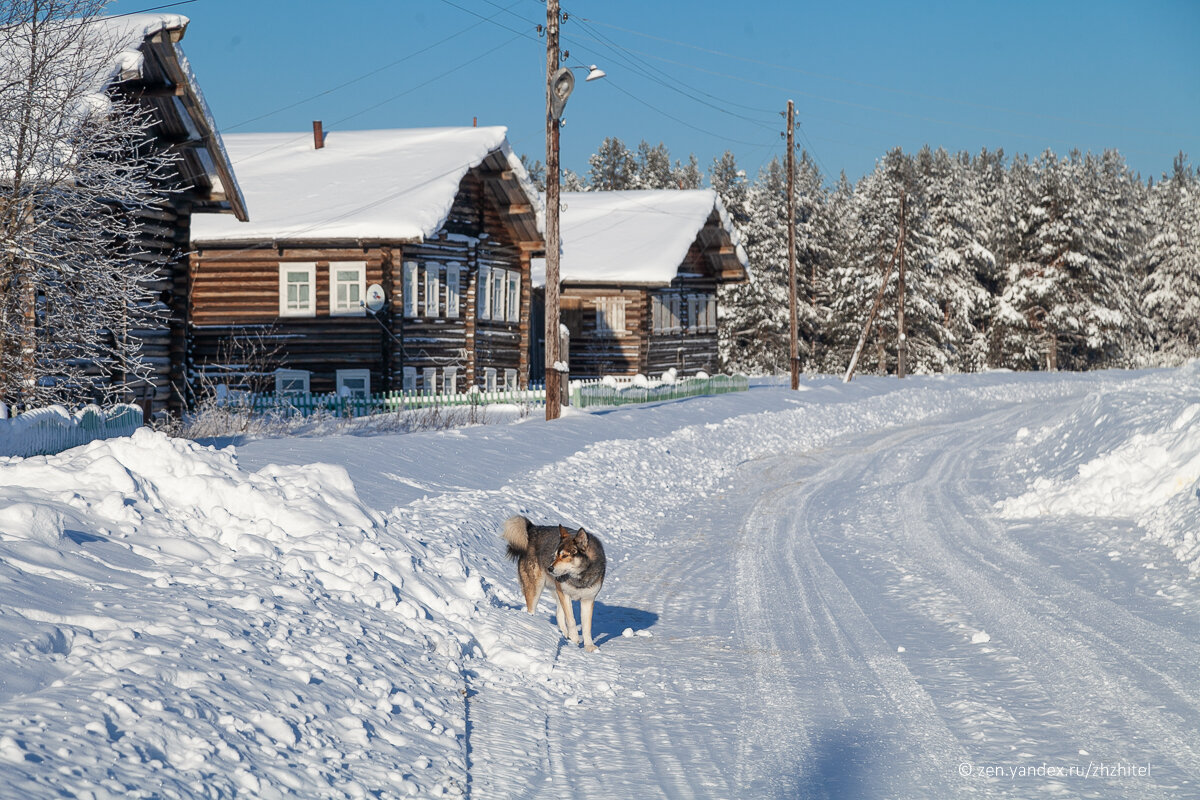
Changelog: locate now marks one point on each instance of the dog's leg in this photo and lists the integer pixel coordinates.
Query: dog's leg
(532, 580)
(566, 615)
(585, 615)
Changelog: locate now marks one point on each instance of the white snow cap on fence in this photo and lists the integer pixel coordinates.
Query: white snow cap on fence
(53, 429)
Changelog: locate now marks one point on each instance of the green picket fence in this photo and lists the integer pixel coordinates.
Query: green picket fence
(584, 394)
(45, 431)
(598, 393)
(306, 405)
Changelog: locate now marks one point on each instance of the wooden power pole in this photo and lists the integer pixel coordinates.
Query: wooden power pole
(553, 376)
(902, 341)
(793, 314)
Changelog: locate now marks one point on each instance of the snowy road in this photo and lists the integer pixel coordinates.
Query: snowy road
(975, 586)
(857, 621)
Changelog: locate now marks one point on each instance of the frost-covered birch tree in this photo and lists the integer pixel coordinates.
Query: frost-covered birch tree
(75, 166)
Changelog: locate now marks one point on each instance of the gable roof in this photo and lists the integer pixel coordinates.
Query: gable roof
(636, 236)
(393, 185)
(140, 54)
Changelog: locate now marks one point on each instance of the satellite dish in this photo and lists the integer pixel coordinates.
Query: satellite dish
(375, 298)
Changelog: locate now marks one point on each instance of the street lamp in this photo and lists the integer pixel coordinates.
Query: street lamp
(559, 83)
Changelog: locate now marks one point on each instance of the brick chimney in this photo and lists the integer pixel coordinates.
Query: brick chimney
(318, 135)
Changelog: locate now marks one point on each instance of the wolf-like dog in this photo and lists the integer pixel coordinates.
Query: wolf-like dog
(572, 561)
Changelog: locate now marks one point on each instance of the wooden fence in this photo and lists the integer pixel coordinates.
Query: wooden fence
(583, 395)
(45, 431)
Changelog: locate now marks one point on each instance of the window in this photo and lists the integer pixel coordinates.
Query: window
(450, 380)
(291, 381)
(693, 307)
(298, 290)
(712, 313)
(429, 379)
(353, 382)
(453, 278)
(510, 380)
(347, 288)
(432, 292)
(485, 293)
(410, 288)
(499, 281)
(514, 296)
(489, 379)
(500, 295)
(610, 315)
(672, 324)
(410, 380)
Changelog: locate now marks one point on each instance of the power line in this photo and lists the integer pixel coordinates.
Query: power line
(357, 79)
(863, 84)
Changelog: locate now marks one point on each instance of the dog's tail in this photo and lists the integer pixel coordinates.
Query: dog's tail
(516, 533)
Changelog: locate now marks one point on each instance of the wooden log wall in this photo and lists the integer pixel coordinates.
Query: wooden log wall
(234, 317)
(640, 350)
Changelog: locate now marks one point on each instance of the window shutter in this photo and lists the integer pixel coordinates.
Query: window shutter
(484, 288)
(410, 289)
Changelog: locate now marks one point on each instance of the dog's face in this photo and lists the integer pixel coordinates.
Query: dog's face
(572, 553)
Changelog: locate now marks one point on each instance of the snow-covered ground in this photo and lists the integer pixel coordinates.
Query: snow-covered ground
(940, 587)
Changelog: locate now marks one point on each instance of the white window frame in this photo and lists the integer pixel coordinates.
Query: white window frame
(344, 375)
(489, 379)
(433, 291)
(484, 289)
(499, 284)
(429, 376)
(450, 380)
(510, 380)
(411, 273)
(308, 268)
(285, 376)
(351, 308)
(514, 296)
(410, 380)
(453, 290)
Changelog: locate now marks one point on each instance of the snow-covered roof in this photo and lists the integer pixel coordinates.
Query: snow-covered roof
(634, 236)
(110, 50)
(394, 185)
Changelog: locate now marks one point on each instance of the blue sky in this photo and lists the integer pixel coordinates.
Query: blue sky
(703, 77)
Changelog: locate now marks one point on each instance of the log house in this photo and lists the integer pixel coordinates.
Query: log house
(640, 271)
(444, 220)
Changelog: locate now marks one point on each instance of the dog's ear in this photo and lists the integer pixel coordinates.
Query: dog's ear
(581, 538)
(562, 532)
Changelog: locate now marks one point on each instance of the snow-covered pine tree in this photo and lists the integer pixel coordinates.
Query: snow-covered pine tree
(613, 167)
(653, 167)
(959, 263)
(688, 176)
(1171, 290)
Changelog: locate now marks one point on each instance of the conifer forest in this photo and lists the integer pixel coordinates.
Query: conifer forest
(1055, 262)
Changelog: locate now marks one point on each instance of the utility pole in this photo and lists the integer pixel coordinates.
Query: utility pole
(553, 377)
(793, 315)
(902, 343)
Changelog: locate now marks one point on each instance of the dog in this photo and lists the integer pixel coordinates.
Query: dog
(572, 561)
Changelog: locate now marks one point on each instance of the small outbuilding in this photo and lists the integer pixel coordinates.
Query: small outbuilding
(444, 221)
(639, 275)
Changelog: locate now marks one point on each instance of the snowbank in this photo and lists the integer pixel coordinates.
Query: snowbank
(1132, 454)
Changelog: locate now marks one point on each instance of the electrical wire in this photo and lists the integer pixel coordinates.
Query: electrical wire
(863, 84)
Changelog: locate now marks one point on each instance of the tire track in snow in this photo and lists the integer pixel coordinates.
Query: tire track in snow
(837, 712)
